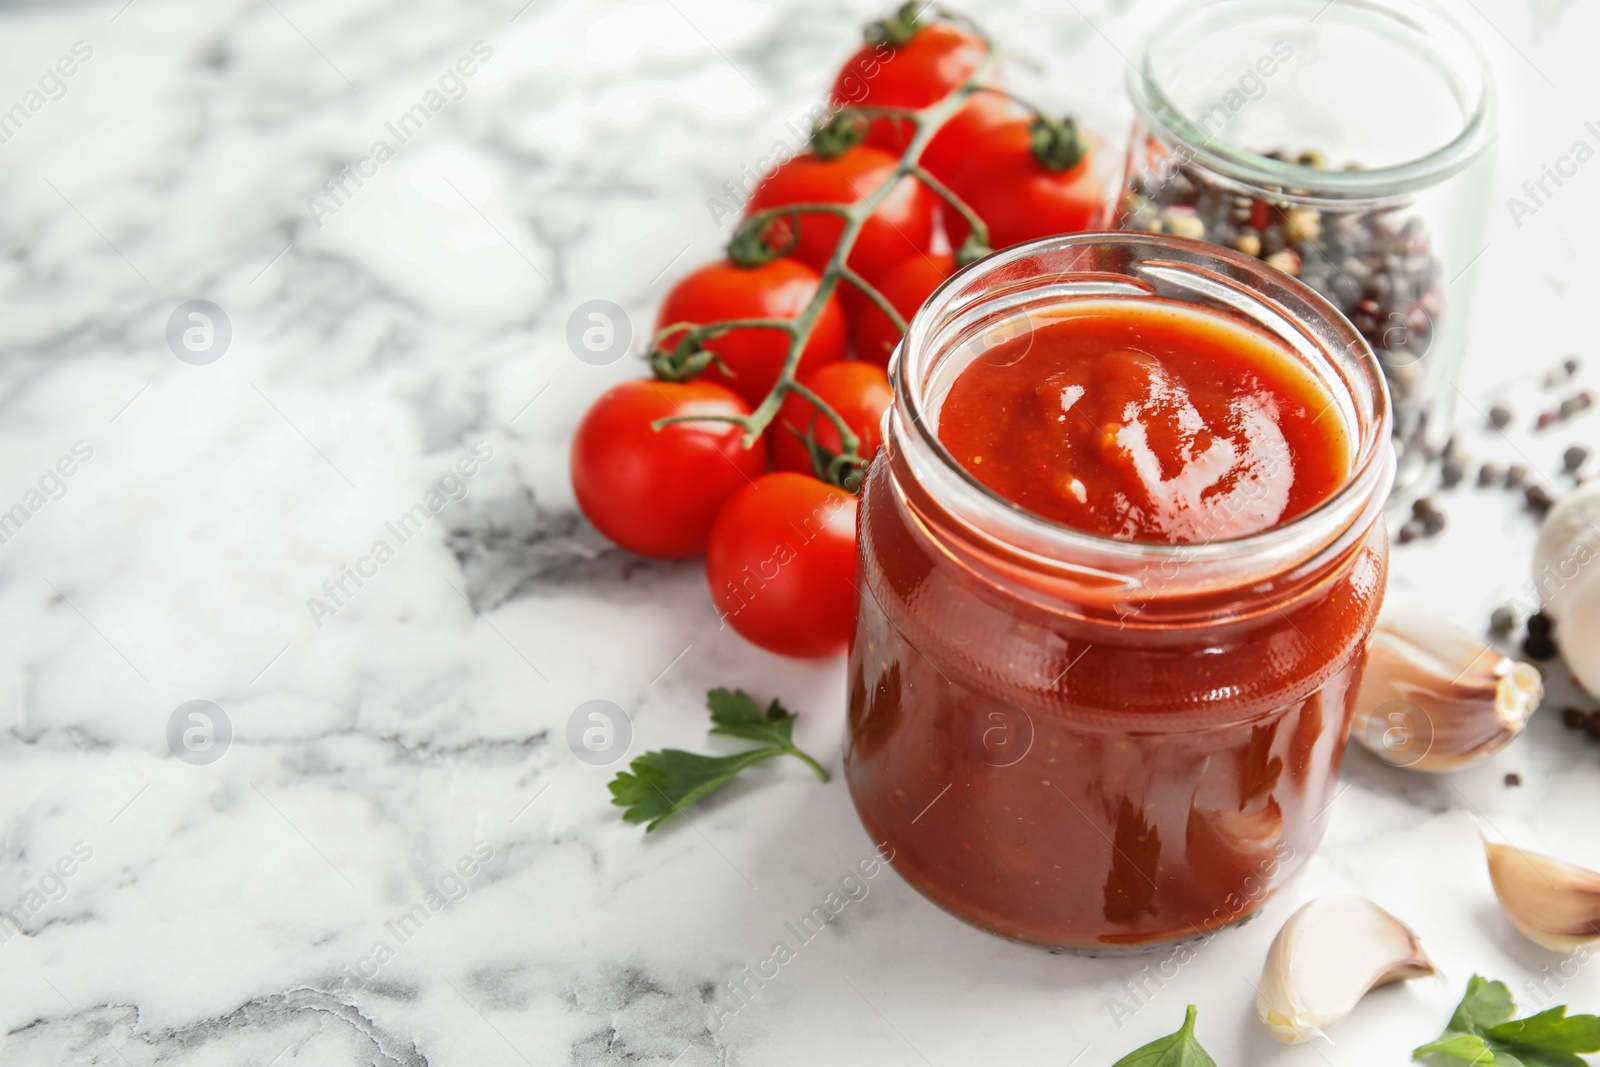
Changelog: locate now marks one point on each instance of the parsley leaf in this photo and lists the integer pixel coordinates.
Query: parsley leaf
(1175, 1050)
(1482, 1033)
(661, 783)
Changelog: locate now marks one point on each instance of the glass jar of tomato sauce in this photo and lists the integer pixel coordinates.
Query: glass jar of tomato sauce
(1090, 740)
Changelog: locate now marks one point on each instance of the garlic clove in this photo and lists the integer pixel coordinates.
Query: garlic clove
(1326, 958)
(1552, 903)
(1566, 579)
(1435, 698)
(1569, 541)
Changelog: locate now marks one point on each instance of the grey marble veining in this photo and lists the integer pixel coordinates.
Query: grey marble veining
(304, 899)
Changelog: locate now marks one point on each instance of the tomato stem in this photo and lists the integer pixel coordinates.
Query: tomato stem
(749, 246)
(874, 294)
(980, 229)
(838, 469)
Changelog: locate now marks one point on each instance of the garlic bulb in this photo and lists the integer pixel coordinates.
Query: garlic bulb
(1566, 579)
(1435, 698)
(1326, 958)
(1552, 903)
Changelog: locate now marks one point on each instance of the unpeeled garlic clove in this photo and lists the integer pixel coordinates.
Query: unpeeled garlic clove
(1435, 698)
(1326, 958)
(1553, 904)
(1566, 579)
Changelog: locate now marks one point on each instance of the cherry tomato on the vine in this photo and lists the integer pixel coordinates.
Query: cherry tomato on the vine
(906, 287)
(901, 227)
(965, 131)
(1021, 196)
(937, 59)
(752, 357)
(859, 392)
(657, 492)
(781, 564)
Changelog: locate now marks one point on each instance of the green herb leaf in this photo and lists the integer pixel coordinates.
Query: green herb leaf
(1486, 1004)
(1482, 1033)
(657, 784)
(662, 782)
(1175, 1050)
(1552, 1031)
(737, 715)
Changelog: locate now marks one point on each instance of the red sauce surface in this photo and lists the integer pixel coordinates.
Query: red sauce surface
(1077, 770)
(1145, 420)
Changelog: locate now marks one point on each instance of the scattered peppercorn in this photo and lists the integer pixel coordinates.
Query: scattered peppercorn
(1501, 416)
(1577, 402)
(1572, 365)
(1539, 498)
(1410, 530)
(1504, 620)
(1517, 476)
(1451, 472)
(1539, 647)
(1433, 523)
(1574, 718)
(1574, 457)
(1594, 727)
(1539, 623)
(1489, 473)
(1513, 779)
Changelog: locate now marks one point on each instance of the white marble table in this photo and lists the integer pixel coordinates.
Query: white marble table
(400, 742)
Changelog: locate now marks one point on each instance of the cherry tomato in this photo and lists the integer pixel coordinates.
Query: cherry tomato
(906, 287)
(920, 72)
(782, 562)
(901, 227)
(966, 130)
(1019, 197)
(858, 391)
(779, 289)
(657, 492)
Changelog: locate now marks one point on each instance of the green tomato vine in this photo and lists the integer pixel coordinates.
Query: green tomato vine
(751, 247)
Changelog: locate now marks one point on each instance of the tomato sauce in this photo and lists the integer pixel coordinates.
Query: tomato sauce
(1148, 421)
(1087, 768)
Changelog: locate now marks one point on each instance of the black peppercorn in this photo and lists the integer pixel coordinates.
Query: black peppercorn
(1574, 718)
(1489, 473)
(1539, 498)
(1539, 647)
(1500, 416)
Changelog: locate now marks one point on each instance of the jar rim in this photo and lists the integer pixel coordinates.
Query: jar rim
(1061, 547)
(1462, 59)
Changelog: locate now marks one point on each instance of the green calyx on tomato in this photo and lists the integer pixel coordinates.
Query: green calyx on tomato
(897, 29)
(682, 361)
(971, 250)
(751, 244)
(1057, 143)
(843, 469)
(832, 139)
